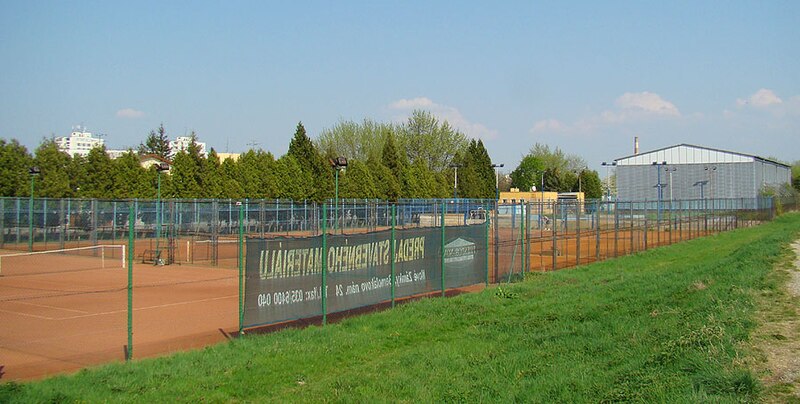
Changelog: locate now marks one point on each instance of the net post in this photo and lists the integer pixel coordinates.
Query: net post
(391, 252)
(241, 267)
(443, 241)
(131, 223)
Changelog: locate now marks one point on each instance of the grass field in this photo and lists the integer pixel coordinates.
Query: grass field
(668, 325)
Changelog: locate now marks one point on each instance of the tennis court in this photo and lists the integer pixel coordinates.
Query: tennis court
(62, 312)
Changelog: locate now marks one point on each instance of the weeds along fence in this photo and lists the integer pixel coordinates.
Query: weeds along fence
(199, 270)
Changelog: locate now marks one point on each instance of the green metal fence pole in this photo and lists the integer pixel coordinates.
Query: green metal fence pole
(391, 251)
(324, 262)
(131, 224)
(487, 247)
(442, 257)
(241, 268)
(522, 238)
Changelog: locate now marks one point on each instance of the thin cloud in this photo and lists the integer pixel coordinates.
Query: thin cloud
(628, 108)
(129, 113)
(548, 125)
(444, 113)
(647, 102)
(762, 98)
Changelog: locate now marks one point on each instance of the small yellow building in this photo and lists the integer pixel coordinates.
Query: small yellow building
(515, 196)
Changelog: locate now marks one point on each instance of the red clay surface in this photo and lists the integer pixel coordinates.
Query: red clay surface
(63, 321)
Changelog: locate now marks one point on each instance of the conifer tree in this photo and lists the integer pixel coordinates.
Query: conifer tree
(157, 143)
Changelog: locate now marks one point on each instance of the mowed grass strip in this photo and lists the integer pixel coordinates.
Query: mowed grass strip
(667, 325)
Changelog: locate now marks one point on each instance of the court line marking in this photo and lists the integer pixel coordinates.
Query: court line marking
(27, 315)
(53, 307)
(150, 307)
(89, 314)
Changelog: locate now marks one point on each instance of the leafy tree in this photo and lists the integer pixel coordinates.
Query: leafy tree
(557, 159)
(527, 174)
(54, 180)
(14, 164)
(157, 143)
(356, 141)
(796, 175)
(424, 139)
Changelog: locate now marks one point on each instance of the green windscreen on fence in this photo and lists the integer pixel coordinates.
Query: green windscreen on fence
(283, 279)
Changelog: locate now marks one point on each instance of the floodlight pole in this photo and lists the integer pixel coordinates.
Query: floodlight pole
(33, 171)
(497, 180)
(608, 178)
(336, 197)
(159, 168)
(455, 179)
(339, 163)
(158, 216)
(669, 172)
(658, 185)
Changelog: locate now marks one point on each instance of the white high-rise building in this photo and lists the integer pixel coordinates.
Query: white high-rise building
(182, 144)
(79, 142)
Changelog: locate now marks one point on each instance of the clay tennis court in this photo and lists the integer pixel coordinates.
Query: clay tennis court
(58, 321)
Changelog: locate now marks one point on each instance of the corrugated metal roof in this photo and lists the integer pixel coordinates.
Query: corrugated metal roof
(690, 154)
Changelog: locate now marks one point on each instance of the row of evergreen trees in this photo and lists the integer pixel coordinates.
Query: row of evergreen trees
(304, 172)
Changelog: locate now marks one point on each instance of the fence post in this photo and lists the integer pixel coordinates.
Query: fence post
(324, 271)
(578, 233)
(3, 221)
(597, 208)
(241, 267)
(616, 228)
(488, 221)
(630, 219)
(443, 243)
(131, 245)
(522, 237)
(554, 206)
(391, 251)
(528, 206)
(496, 225)
(646, 230)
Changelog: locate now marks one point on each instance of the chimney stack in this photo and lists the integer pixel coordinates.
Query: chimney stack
(636, 145)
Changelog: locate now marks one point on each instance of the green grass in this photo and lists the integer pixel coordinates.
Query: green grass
(668, 325)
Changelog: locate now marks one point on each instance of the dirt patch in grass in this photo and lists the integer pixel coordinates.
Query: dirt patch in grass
(778, 337)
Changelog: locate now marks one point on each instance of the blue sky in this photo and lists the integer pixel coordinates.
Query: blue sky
(583, 76)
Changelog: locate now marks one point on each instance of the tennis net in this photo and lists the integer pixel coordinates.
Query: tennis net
(63, 260)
